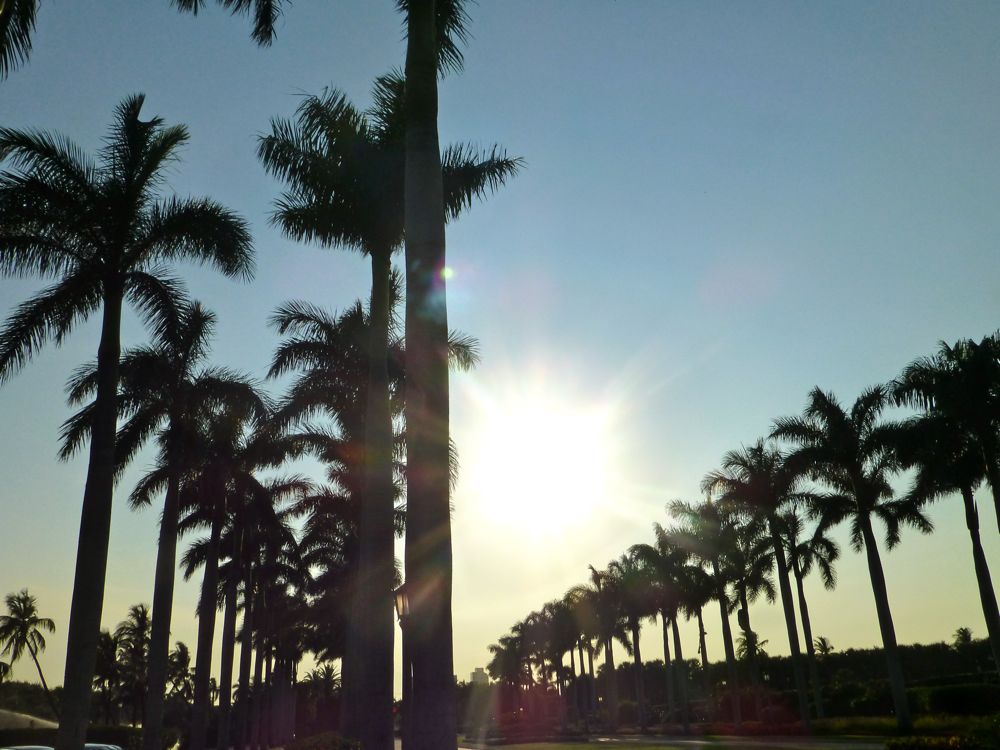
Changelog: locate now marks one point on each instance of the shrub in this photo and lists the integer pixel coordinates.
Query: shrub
(967, 700)
(324, 741)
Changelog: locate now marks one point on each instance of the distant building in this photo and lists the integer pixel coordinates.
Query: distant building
(479, 677)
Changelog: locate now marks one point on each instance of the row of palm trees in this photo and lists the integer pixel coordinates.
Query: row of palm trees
(765, 523)
(100, 229)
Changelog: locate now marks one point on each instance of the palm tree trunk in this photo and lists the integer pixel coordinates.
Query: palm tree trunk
(986, 594)
(246, 654)
(163, 603)
(640, 692)
(727, 642)
(668, 667)
(228, 653)
(376, 564)
(583, 691)
(592, 680)
(896, 683)
(45, 686)
(207, 605)
(680, 670)
(257, 694)
(612, 686)
(807, 634)
(87, 603)
(428, 518)
(788, 607)
(702, 649)
(751, 641)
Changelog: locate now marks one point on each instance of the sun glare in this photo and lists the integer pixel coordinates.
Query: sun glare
(539, 463)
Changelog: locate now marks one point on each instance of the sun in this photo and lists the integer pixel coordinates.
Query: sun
(538, 462)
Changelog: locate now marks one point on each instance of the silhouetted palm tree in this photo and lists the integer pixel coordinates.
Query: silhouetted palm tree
(638, 602)
(947, 461)
(666, 564)
(823, 646)
(755, 481)
(21, 629)
(163, 393)
(707, 532)
(850, 451)
(17, 22)
(132, 635)
(817, 551)
(962, 384)
(179, 676)
(108, 675)
(101, 230)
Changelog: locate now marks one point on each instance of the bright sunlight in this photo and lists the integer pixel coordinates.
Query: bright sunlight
(539, 461)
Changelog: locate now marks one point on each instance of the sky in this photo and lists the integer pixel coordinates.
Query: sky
(723, 206)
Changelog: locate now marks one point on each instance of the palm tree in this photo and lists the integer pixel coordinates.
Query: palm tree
(805, 553)
(947, 460)
(602, 615)
(17, 22)
(962, 384)
(101, 230)
(345, 171)
(132, 635)
(179, 675)
(823, 646)
(755, 481)
(108, 675)
(850, 451)
(748, 564)
(666, 564)
(161, 391)
(638, 602)
(707, 532)
(21, 629)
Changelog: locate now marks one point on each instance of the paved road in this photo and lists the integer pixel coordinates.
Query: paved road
(746, 743)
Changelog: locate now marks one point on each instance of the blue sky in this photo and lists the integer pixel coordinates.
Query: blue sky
(724, 204)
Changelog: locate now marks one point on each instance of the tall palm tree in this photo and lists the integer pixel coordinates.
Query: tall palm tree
(21, 629)
(99, 228)
(961, 383)
(132, 635)
(755, 481)
(345, 171)
(806, 552)
(947, 460)
(850, 452)
(708, 533)
(163, 392)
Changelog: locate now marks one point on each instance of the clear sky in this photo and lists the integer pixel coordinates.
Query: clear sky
(724, 205)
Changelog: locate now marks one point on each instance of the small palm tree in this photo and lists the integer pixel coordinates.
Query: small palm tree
(638, 601)
(850, 452)
(962, 639)
(100, 229)
(823, 646)
(132, 635)
(108, 675)
(179, 675)
(22, 630)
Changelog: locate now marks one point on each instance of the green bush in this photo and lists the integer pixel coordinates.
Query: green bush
(325, 741)
(967, 700)
(128, 738)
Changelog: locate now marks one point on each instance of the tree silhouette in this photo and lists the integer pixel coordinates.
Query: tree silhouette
(850, 451)
(101, 230)
(22, 630)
